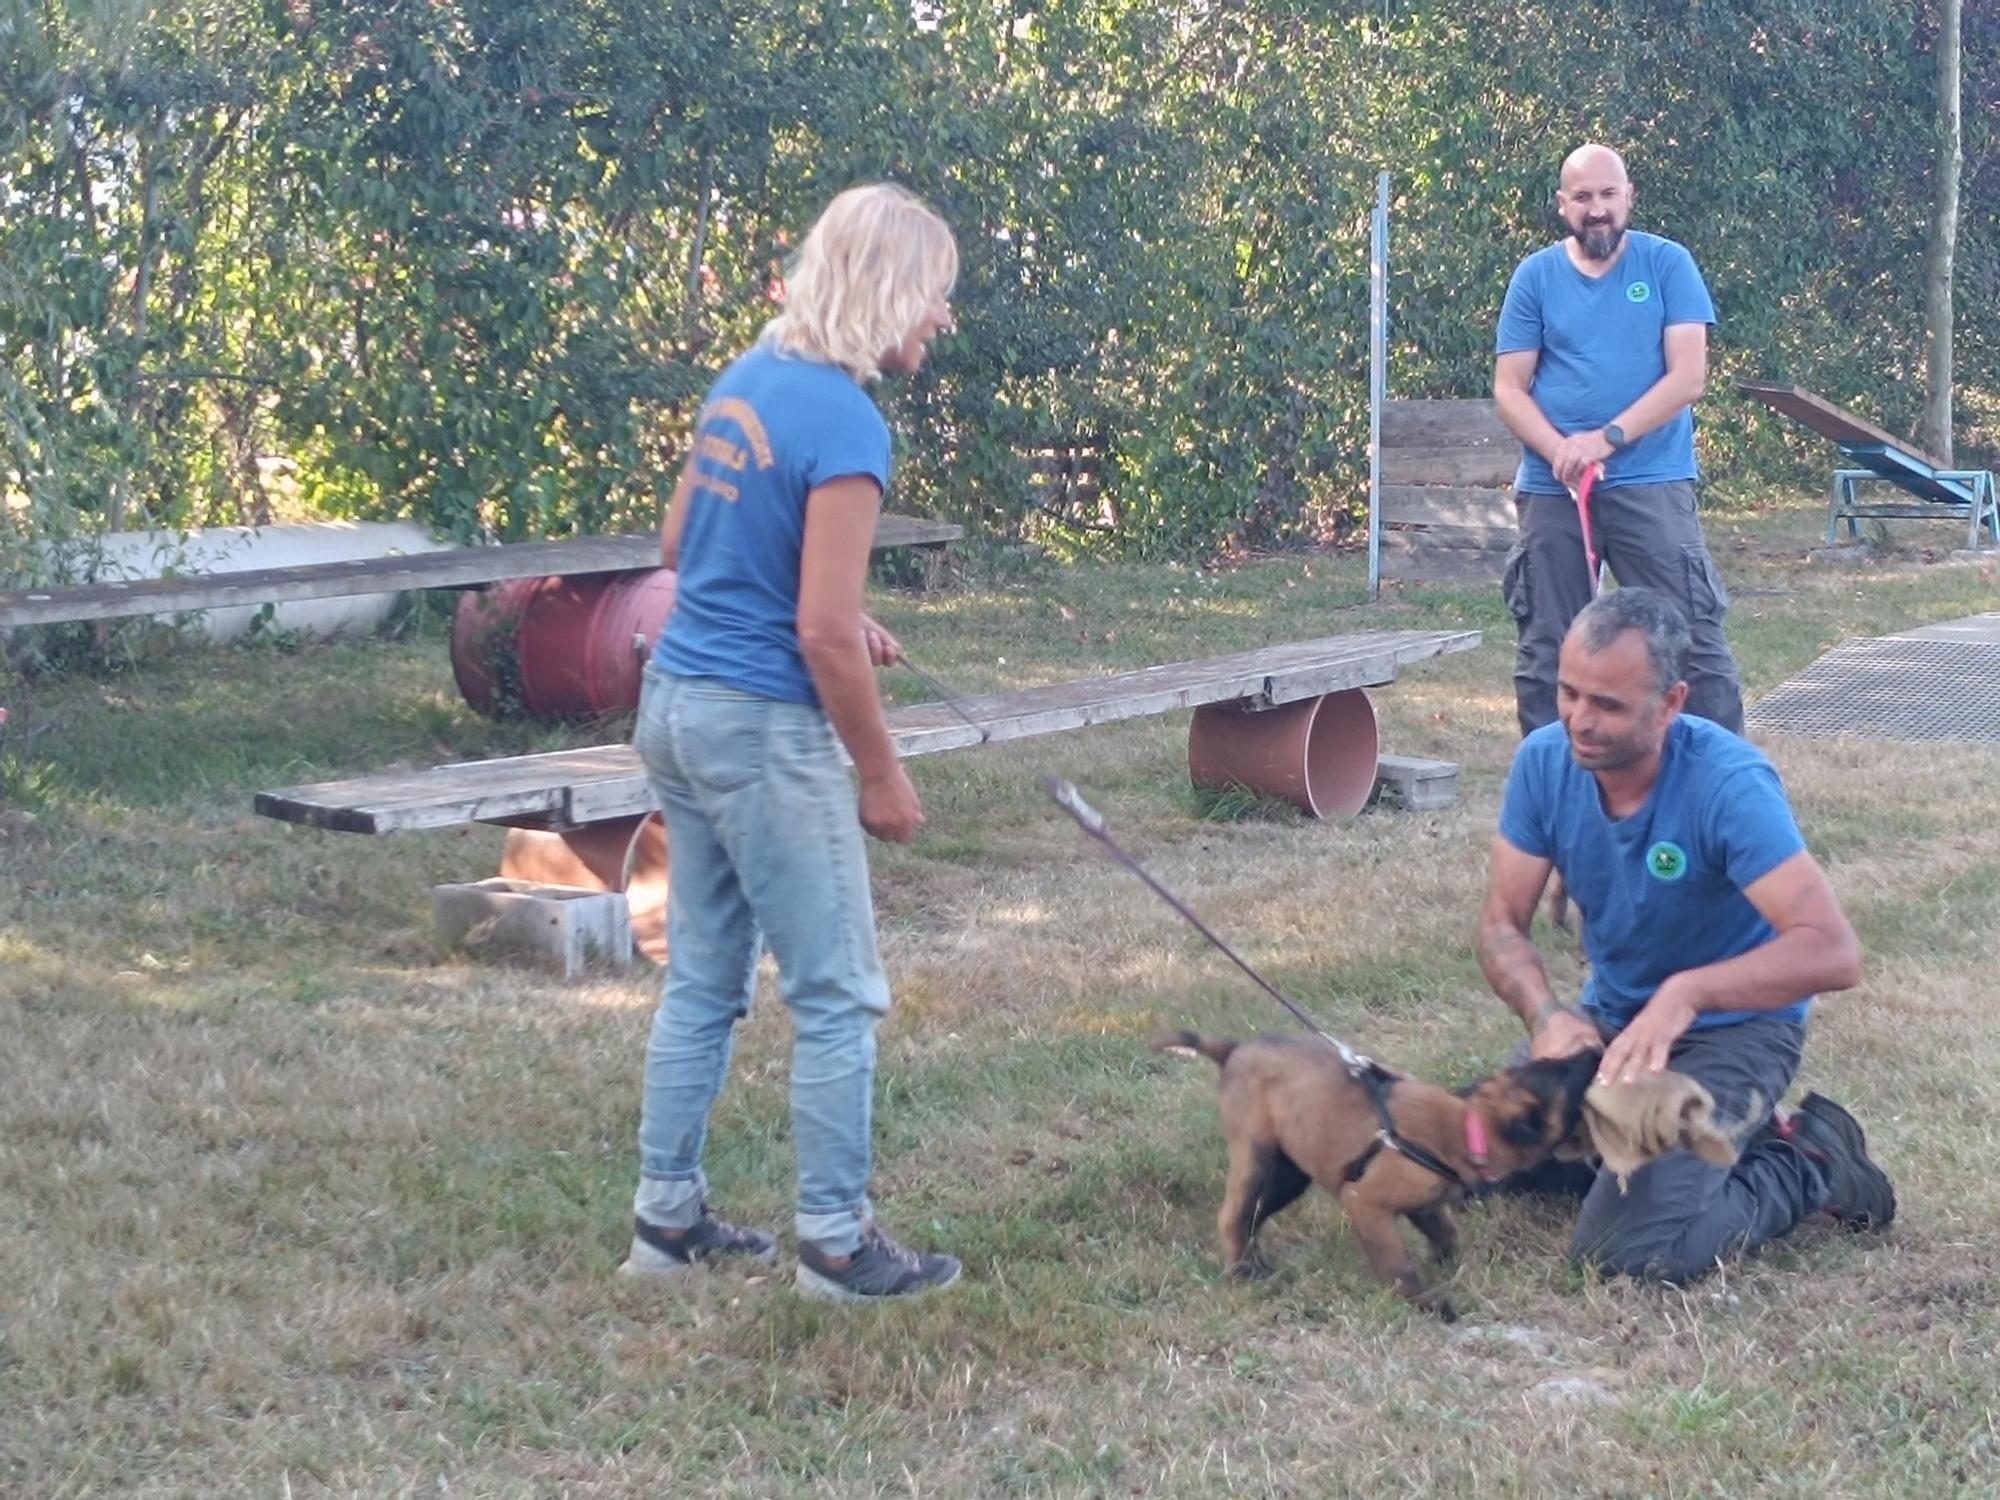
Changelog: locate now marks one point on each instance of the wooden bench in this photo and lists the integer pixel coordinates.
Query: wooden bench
(1444, 503)
(462, 567)
(1942, 492)
(587, 816)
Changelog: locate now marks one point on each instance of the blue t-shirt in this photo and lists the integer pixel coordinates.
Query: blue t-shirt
(773, 429)
(1602, 344)
(1660, 890)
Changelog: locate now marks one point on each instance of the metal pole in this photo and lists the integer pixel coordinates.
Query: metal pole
(1378, 371)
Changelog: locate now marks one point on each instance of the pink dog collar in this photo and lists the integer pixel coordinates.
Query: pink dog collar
(1475, 1142)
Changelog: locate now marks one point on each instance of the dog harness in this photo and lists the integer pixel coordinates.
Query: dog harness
(1378, 1080)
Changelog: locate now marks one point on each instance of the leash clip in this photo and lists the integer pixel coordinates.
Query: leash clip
(1070, 800)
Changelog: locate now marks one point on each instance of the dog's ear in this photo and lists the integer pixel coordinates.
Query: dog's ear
(1579, 1073)
(1560, 1082)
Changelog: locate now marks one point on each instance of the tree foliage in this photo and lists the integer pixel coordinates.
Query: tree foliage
(472, 261)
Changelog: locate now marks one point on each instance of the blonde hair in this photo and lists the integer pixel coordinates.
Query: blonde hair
(864, 278)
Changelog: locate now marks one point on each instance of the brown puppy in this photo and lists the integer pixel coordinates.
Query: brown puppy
(1293, 1115)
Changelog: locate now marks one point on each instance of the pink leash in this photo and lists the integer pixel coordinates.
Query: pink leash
(1581, 495)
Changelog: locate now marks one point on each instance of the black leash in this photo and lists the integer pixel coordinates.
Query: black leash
(1364, 1070)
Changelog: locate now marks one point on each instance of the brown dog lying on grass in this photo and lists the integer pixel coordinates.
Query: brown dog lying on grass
(1293, 1115)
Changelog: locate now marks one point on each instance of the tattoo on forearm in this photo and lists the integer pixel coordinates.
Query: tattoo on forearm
(1513, 966)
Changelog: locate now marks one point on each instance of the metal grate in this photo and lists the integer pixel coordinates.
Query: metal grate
(1909, 687)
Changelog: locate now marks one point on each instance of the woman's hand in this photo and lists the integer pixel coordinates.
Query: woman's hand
(890, 809)
(884, 650)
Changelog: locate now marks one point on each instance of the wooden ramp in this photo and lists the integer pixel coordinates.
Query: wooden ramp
(1843, 428)
(1942, 492)
(1446, 506)
(575, 788)
(462, 567)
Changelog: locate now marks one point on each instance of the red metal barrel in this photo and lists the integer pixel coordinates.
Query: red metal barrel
(560, 648)
(484, 653)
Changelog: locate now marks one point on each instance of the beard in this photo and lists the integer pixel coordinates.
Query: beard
(1606, 755)
(1610, 752)
(1600, 241)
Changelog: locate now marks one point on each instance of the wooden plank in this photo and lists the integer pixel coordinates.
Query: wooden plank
(575, 787)
(1456, 538)
(1490, 466)
(1410, 557)
(458, 568)
(912, 531)
(1826, 419)
(1447, 505)
(1442, 424)
(490, 791)
(1267, 677)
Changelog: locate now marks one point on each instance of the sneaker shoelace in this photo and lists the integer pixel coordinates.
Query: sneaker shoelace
(901, 1255)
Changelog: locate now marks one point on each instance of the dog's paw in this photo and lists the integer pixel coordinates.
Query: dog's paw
(1253, 1267)
(1438, 1305)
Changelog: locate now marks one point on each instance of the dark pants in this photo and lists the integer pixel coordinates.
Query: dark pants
(1679, 1215)
(1650, 535)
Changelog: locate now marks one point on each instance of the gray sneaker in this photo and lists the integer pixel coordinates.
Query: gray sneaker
(880, 1268)
(660, 1252)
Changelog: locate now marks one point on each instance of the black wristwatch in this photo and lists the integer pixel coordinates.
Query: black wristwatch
(1614, 435)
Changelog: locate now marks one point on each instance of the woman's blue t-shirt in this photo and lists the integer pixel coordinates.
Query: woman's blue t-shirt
(774, 428)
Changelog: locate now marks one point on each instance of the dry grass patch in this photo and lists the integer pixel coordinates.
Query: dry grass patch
(305, 1209)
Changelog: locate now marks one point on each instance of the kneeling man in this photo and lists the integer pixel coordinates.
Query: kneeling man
(1708, 928)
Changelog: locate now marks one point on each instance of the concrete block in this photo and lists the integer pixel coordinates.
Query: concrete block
(567, 926)
(1415, 785)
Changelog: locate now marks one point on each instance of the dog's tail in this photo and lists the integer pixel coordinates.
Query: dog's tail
(1194, 1044)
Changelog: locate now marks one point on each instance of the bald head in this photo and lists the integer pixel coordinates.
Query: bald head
(1595, 201)
(1592, 160)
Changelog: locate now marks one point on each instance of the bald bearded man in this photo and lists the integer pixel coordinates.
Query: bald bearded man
(1601, 355)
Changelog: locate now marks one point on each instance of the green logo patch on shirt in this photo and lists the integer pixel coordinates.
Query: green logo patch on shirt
(1638, 291)
(1667, 861)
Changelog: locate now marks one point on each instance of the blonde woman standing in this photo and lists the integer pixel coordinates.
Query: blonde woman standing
(766, 659)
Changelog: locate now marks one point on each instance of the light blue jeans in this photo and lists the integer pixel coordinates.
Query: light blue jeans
(764, 845)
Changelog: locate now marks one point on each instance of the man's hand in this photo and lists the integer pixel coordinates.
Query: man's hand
(1577, 452)
(884, 650)
(889, 806)
(1563, 1033)
(1643, 1047)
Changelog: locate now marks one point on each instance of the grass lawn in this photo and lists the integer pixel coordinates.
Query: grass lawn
(294, 1206)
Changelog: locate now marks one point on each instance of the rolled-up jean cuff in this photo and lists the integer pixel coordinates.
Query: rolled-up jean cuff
(670, 1202)
(835, 1231)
